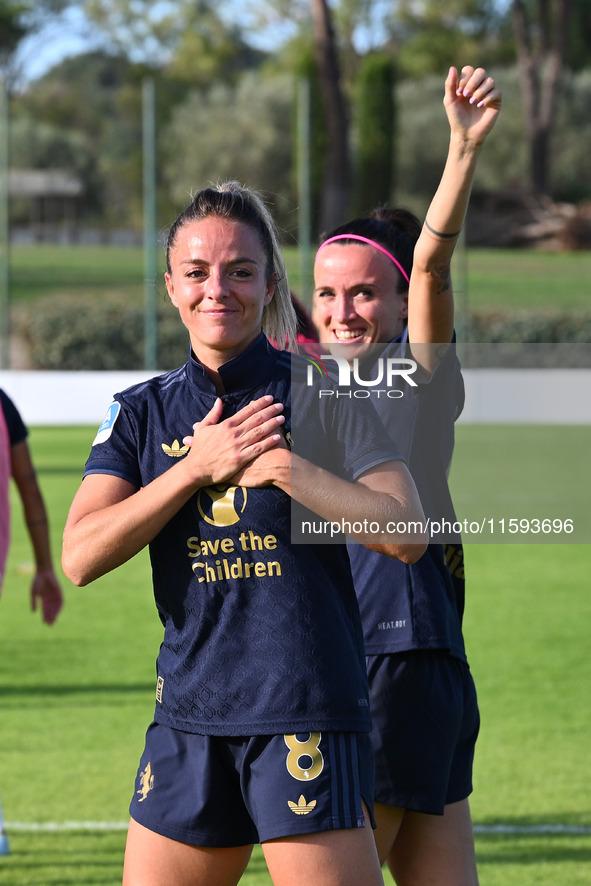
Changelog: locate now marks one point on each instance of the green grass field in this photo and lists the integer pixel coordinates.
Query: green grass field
(523, 483)
(37, 271)
(484, 278)
(75, 700)
(516, 279)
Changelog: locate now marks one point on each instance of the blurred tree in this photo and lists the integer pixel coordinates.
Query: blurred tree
(305, 69)
(19, 19)
(208, 49)
(579, 36)
(374, 127)
(82, 100)
(12, 29)
(337, 167)
(426, 137)
(503, 169)
(205, 45)
(37, 145)
(541, 36)
(98, 94)
(186, 40)
(184, 45)
(571, 159)
(78, 92)
(199, 145)
(142, 30)
(430, 35)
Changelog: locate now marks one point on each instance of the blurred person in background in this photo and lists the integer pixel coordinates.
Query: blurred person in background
(16, 462)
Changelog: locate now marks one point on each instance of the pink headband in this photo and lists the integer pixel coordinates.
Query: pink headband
(371, 243)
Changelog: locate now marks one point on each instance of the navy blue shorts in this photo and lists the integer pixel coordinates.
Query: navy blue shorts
(217, 791)
(425, 723)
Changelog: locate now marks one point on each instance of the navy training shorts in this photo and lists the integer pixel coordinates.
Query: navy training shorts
(217, 791)
(425, 723)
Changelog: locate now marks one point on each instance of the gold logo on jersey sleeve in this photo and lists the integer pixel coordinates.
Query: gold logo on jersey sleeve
(176, 450)
(302, 807)
(146, 783)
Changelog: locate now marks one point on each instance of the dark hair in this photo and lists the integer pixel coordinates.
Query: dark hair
(233, 201)
(305, 324)
(397, 230)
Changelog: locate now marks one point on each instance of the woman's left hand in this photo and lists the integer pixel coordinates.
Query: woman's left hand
(472, 102)
(265, 469)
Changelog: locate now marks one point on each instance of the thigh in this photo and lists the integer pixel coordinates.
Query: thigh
(332, 858)
(154, 860)
(388, 822)
(435, 848)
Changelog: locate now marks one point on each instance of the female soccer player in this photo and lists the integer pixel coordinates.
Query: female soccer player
(386, 279)
(261, 720)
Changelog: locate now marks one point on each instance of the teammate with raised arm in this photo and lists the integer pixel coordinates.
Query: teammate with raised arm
(386, 279)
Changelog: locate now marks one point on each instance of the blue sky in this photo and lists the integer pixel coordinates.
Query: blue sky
(65, 35)
(70, 34)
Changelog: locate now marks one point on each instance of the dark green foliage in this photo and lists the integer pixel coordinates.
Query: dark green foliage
(579, 37)
(12, 30)
(529, 327)
(375, 116)
(64, 332)
(306, 70)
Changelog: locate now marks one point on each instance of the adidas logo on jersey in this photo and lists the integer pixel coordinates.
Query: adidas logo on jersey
(175, 450)
(301, 807)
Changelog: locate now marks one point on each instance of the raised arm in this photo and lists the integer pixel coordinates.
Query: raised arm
(472, 102)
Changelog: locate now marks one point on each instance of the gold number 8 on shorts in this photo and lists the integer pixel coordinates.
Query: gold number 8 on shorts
(304, 760)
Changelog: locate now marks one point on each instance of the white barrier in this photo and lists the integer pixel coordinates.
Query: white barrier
(65, 398)
(493, 396)
(527, 396)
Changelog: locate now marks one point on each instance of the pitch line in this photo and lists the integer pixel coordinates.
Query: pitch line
(509, 829)
(64, 826)
(572, 829)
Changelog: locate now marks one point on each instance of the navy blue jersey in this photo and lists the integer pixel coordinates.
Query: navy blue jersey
(17, 430)
(261, 636)
(418, 606)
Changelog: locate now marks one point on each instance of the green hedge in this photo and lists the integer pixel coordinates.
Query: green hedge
(524, 326)
(69, 333)
(526, 340)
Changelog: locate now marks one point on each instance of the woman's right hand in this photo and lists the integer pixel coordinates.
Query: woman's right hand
(221, 448)
(110, 520)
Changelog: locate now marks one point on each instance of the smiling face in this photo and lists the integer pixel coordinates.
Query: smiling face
(356, 301)
(219, 281)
